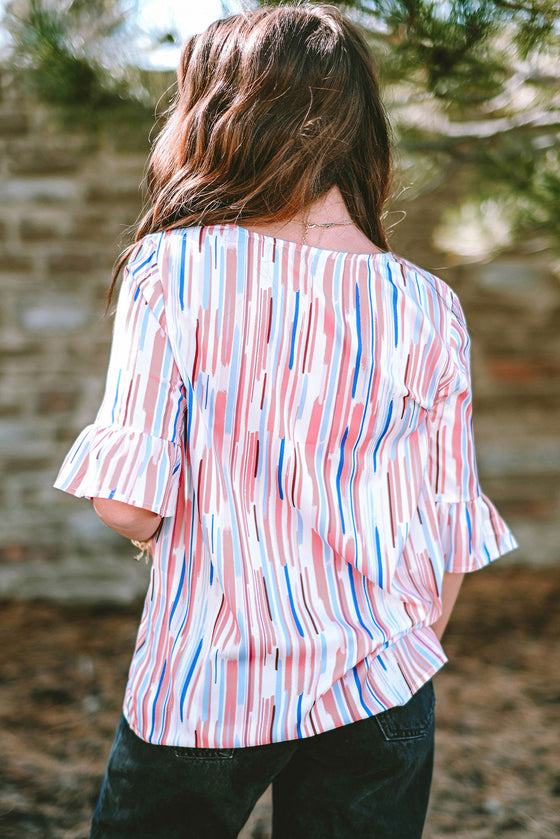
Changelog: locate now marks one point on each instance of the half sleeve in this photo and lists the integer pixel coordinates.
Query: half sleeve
(133, 450)
(472, 532)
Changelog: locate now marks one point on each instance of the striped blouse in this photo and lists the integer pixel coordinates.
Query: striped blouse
(301, 418)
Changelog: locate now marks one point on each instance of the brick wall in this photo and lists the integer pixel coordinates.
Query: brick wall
(65, 202)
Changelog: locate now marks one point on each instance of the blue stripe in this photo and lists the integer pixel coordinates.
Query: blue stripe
(177, 415)
(359, 437)
(182, 274)
(190, 395)
(179, 590)
(379, 558)
(116, 397)
(360, 694)
(298, 624)
(371, 692)
(280, 462)
(186, 604)
(243, 665)
(338, 474)
(359, 354)
(189, 677)
(84, 441)
(154, 704)
(382, 435)
(395, 306)
(300, 698)
(139, 267)
(206, 692)
(367, 599)
(294, 328)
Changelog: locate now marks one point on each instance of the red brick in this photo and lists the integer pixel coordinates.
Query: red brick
(515, 369)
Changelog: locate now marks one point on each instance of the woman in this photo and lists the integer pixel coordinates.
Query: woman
(287, 422)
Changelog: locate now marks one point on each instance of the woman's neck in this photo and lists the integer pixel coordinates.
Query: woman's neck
(325, 224)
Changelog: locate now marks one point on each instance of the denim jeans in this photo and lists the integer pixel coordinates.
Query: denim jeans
(367, 779)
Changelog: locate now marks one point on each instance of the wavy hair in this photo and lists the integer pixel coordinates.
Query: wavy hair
(273, 108)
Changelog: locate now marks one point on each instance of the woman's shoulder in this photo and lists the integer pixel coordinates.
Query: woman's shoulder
(428, 282)
(150, 245)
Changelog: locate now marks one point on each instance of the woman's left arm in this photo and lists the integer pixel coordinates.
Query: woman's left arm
(129, 460)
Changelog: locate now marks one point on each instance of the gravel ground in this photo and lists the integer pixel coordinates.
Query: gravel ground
(497, 771)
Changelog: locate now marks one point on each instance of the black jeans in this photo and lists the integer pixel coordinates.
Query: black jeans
(368, 779)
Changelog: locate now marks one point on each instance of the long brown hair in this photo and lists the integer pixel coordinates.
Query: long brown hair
(273, 108)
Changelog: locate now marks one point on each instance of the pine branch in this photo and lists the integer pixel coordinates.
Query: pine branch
(548, 9)
(486, 129)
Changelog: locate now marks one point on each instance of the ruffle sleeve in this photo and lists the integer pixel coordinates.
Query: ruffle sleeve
(133, 450)
(472, 534)
(123, 464)
(471, 531)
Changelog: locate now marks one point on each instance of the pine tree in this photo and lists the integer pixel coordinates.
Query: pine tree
(474, 85)
(471, 86)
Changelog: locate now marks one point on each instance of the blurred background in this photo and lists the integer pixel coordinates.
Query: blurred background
(472, 88)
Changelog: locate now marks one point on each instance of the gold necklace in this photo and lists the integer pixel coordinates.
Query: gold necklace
(325, 225)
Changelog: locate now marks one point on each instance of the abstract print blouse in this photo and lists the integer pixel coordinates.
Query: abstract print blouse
(302, 420)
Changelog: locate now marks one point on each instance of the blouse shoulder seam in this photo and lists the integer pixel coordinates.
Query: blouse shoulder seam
(443, 291)
(145, 272)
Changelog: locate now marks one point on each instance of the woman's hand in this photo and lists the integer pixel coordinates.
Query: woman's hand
(132, 522)
(450, 590)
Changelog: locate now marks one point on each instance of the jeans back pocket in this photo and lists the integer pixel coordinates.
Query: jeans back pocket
(410, 721)
(195, 753)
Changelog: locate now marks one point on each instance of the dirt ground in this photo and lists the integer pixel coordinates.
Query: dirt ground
(497, 771)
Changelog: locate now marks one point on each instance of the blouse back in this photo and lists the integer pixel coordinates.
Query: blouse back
(302, 419)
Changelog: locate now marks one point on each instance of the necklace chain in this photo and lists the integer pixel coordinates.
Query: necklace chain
(325, 225)
(309, 224)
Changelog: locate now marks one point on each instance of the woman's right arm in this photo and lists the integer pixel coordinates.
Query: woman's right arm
(450, 589)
